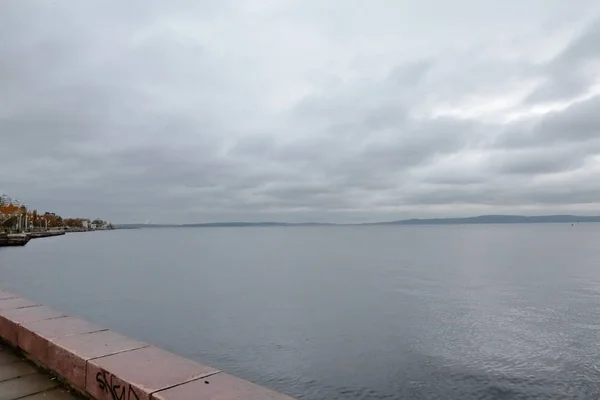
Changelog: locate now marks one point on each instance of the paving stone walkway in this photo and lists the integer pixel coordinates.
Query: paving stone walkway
(19, 379)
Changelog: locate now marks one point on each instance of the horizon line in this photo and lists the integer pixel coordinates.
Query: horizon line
(497, 218)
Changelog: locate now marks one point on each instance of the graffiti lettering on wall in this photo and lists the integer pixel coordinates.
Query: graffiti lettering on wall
(112, 385)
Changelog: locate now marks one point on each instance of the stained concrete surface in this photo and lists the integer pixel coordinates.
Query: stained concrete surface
(19, 379)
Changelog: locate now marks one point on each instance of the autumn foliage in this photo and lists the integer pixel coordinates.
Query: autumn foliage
(11, 210)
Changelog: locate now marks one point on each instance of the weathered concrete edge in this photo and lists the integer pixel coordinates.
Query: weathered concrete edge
(104, 365)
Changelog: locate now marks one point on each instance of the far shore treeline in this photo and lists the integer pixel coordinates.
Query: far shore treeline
(482, 219)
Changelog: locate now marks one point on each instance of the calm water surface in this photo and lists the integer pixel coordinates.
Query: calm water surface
(440, 312)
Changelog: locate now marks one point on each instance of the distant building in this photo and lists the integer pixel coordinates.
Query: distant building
(85, 224)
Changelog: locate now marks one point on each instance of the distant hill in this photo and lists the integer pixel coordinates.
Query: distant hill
(249, 224)
(496, 219)
(482, 219)
(219, 225)
(140, 226)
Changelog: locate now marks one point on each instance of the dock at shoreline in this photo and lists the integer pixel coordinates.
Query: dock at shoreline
(11, 240)
(21, 239)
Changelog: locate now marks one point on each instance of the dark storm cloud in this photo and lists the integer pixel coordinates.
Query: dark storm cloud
(204, 111)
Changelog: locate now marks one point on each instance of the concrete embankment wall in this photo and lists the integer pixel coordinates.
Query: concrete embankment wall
(104, 365)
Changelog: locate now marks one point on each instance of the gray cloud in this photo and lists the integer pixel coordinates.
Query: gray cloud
(539, 162)
(566, 75)
(205, 111)
(579, 123)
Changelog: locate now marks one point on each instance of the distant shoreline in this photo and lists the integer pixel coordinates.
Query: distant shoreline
(479, 220)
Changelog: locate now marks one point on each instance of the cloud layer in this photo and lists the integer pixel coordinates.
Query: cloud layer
(300, 110)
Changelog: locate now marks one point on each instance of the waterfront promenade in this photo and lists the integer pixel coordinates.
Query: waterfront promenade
(20, 379)
(101, 364)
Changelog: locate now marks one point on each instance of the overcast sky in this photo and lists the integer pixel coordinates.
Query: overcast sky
(300, 110)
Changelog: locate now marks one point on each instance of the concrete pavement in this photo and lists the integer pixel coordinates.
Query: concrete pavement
(20, 379)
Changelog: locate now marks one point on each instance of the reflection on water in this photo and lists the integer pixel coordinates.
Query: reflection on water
(448, 312)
